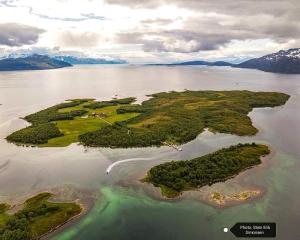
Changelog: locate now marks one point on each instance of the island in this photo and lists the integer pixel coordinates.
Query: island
(177, 176)
(221, 199)
(33, 62)
(37, 217)
(167, 118)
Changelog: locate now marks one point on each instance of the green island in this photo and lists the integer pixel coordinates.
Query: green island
(177, 176)
(166, 118)
(37, 218)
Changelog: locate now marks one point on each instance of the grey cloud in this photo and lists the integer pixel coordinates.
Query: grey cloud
(288, 9)
(229, 20)
(75, 39)
(174, 41)
(15, 34)
(197, 34)
(276, 7)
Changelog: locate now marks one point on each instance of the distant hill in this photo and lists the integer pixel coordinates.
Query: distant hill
(195, 63)
(204, 63)
(78, 60)
(281, 62)
(33, 62)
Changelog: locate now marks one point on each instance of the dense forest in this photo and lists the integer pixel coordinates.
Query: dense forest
(178, 117)
(36, 218)
(114, 102)
(177, 176)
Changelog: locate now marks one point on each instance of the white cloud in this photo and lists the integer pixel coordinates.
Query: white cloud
(153, 30)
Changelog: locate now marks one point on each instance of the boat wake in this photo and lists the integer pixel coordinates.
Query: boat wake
(111, 166)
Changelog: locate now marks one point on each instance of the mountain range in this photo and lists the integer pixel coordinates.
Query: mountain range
(33, 62)
(284, 61)
(281, 62)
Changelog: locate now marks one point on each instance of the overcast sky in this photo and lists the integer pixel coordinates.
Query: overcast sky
(150, 30)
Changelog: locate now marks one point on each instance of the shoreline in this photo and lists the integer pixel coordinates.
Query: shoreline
(85, 204)
(62, 225)
(69, 223)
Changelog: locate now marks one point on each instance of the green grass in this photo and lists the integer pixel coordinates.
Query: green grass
(177, 176)
(38, 217)
(71, 129)
(3, 215)
(64, 132)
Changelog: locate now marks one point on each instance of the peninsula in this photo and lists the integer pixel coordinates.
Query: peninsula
(177, 176)
(166, 118)
(37, 217)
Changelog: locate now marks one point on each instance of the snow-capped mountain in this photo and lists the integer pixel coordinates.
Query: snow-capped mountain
(82, 60)
(284, 61)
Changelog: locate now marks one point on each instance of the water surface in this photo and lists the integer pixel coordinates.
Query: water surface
(124, 208)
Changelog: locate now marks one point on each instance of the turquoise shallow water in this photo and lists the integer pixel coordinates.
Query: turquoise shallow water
(127, 214)
(124, 208)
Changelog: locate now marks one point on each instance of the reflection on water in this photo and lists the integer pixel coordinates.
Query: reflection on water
(125, 208)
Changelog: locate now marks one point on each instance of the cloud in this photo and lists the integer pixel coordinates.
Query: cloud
(158, 28)
(157, 21)
(15, 34)
(137, 3)
(179, 41)
(81, 17)
(6, 3)
(212, 25)
(242, 7)
(77, 39)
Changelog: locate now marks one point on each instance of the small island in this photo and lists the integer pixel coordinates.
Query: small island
(37, 217)
(177, 176)
(168, 118)
(221, 199)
